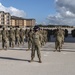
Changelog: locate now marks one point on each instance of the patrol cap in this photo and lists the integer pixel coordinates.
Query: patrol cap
(36, 28)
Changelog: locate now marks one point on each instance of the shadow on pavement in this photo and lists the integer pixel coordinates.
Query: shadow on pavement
(61, 50)
(16, 59)
(18, 49)
(47, 50)
(68, 50)
(9, 58)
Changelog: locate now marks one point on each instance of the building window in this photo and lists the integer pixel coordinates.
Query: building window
(2, 15)
(2, 19)
(2, 22)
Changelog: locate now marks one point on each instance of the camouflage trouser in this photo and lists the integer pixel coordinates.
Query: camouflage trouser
(37, 48)
(22, 40)
(11, 42)
(4, 43)
(58, 43)
(42, 41)
(63, 39)
(17, 40)
(29, 44)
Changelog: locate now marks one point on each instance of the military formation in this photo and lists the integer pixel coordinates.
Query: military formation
(36, 38)
(59, 36)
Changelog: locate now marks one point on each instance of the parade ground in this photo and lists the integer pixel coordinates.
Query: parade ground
(15, 61)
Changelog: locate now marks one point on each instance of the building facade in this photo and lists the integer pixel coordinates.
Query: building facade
(22, 22)
(5, 19)
(30, 22)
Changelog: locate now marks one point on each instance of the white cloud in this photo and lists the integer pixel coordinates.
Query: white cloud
(13, 11)
(43, 23)
(65, 12)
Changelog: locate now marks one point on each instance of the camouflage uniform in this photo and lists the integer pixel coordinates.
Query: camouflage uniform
(63, 36)
(36, 44)
(11, 37)
(22, 36)
(59, 39)
(4, 38)
(30, 33)
(17, 37)
(45, 36)
(26, 35)
(42, 36)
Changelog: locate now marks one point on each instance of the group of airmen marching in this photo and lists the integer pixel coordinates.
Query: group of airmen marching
(36, 38)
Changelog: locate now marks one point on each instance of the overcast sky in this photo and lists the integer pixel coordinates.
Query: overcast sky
(44, 11)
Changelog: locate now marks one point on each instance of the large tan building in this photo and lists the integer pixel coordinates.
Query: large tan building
(22, 22)
(5, 19)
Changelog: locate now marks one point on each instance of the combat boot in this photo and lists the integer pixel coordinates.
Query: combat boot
(59, 50)
(27, 49)
(31, 60)
(40, 60)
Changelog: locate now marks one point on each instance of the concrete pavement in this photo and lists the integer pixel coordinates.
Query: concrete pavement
(15, 61)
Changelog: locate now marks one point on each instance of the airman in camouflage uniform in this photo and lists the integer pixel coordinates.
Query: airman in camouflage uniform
(41, 40)
(17, 37)
(36, 44)
(11, 37)
(26, 34)
(4, 38)
(22, 36)
(45, 36)
(30, 33)
(63, 35)
(59, 38)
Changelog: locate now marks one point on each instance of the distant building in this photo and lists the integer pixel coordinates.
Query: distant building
(5, 19)
(17, 21)
(30, 22)
(22, 22)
